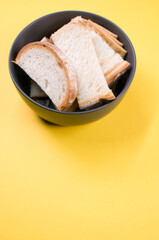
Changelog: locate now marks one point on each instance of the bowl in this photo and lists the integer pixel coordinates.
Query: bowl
(46, 25)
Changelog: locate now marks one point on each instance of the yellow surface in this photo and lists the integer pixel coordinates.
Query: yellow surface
(98, 181)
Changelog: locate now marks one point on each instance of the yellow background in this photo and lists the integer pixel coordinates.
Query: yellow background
(93, 182)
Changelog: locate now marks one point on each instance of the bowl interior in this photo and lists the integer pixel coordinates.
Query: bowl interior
(48, 24)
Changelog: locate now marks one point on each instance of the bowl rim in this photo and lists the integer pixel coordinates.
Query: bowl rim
(85, 111)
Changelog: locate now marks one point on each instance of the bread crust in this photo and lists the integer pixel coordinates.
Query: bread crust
(116, 72)
(119, 68)
(94, 25)
(114, 43)
(110, 35)
(107, 31)
(71, 92)
(108, 96)
(104, 33)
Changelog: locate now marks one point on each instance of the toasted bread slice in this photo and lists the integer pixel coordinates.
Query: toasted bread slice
(51, 70)
(75, 42)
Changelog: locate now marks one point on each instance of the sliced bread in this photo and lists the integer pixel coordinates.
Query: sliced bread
(113, 42)
(101, 30)
(75, 42)
(109, 50)
(51, 70)
(113, 65)
(35, 90)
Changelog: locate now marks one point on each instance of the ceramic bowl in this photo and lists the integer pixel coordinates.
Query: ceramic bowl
(46, 25)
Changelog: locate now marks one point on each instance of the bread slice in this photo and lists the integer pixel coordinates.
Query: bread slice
(107, 35)
(35, 90)
(104, 29)
(113, 42)
(40, 93)
(75, 42)
(98, 28)
(118, 70)
(109, 54)
(51, 70)
(113, 65)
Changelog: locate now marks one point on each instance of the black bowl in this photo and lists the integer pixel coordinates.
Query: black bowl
(46, 25)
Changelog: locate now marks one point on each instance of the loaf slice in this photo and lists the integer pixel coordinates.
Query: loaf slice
(104, 29)
(74, 105)
(109, 37)
(113, 42)
(51, 70)
(35, 90)
(75, 42)
(113, 65)
(109, 53)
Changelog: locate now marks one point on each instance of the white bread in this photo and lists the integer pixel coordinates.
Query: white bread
(105, 30)
(118, 70)
(39, 95)
(99, 29)
(35, 90)
(112, 63)
(103, 50)
(113, 42)
(109, 52)
(75, 42)
(51, 70)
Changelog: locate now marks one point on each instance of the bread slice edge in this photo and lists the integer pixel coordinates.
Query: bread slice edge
(70, 74)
